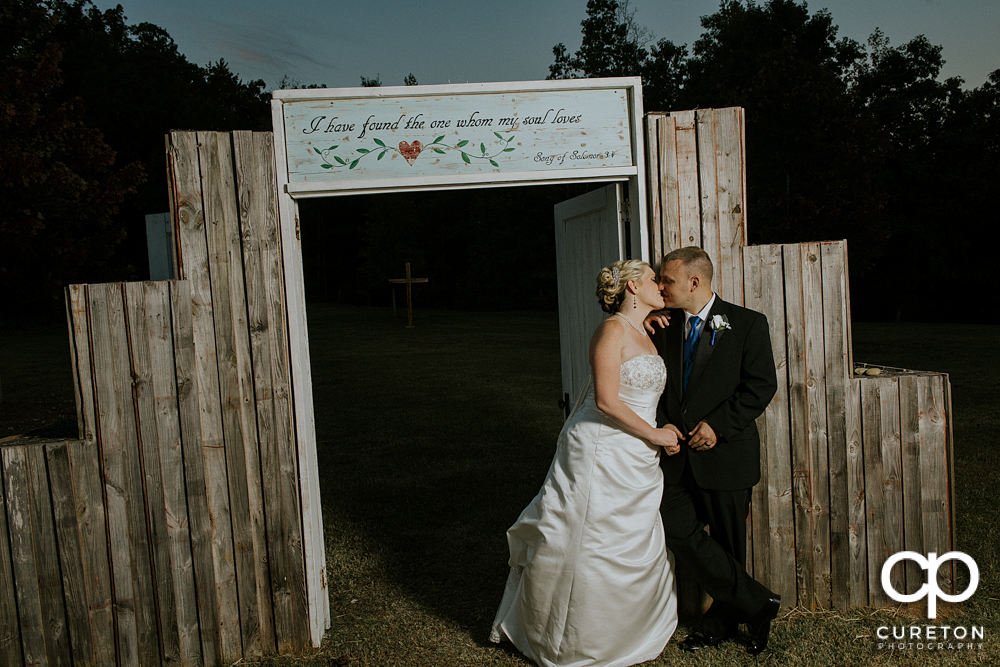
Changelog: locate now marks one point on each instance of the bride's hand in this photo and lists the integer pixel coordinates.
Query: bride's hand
(661, 317)
(669, 438)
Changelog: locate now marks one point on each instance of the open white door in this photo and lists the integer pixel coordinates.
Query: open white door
(589, 235)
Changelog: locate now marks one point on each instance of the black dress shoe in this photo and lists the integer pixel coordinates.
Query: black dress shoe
(760, 625)
(699, 639)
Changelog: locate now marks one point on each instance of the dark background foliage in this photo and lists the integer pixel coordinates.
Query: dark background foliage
(844, 140)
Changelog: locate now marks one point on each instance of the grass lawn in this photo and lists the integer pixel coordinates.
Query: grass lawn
(432, 439)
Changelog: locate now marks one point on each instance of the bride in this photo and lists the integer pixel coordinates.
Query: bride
(591, 582)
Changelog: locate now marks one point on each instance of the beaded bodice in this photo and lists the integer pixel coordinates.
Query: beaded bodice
(645, 372)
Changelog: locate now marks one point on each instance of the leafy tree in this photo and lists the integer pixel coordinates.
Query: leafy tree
(60, 188)
(371, 83)
(613, 44)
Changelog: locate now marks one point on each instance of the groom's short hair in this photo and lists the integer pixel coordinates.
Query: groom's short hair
(695, 260)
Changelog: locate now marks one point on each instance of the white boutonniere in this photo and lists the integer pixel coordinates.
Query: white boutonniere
(718, 323)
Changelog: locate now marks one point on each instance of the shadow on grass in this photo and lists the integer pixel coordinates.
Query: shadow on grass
(431, 441)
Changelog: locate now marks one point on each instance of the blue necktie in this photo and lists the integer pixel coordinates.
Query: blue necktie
(690, 345)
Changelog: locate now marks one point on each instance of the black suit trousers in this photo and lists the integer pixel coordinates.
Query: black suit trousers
(717, 561)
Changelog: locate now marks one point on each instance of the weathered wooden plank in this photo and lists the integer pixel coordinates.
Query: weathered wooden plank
(170, 459)
(191, 223)
(43, 534)
(709, 194)
(686, 150)
(249, 204)
(85, 467)
(667, 135)
(70, 553)
(933, 513)
(22, 555)
(892, 530)
(302, 529)
(774, 526)
(148, 460)
(656, 192)
(731, 198)
(795, 327)
(74, 366)
(857, 579)
(871, 425)
(816, 407)
(219, 193)
(189, 413)
(910, 447)
(10, 627)
(82, 380)
(950, 448)
(837, 373)
(112, 402)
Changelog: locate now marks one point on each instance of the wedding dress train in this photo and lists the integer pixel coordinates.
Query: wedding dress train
(591, 582)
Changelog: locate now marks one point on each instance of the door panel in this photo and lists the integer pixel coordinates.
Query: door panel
(589, 236)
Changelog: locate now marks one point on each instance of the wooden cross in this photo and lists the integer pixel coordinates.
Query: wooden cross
(409, 293)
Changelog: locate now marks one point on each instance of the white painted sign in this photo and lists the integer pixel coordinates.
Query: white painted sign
(340, 139)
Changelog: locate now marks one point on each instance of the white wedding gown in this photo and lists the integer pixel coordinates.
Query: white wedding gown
(591, 581)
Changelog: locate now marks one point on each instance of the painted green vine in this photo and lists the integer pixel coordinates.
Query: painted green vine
(410, 152)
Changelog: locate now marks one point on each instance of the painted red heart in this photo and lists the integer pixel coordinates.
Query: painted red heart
(409, 151)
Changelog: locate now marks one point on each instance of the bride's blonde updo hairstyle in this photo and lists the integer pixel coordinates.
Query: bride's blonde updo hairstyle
(612, 280)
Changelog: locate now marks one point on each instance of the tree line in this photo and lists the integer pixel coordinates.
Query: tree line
(863, 141)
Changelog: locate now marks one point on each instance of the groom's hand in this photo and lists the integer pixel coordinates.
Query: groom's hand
(661, 317)
(676, 447)
(702, 437)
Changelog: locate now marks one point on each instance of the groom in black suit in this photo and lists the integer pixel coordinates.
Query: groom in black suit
(720, 377)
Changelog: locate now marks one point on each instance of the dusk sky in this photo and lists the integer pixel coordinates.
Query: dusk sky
(335, 42)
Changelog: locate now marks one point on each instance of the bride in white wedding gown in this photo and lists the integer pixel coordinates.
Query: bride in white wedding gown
(591, 582)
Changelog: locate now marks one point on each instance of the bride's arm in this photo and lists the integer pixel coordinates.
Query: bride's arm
(605, 361)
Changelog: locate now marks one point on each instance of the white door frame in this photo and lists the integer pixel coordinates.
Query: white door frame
(291, 250)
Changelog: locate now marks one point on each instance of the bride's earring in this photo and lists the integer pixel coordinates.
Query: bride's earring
(635, 301)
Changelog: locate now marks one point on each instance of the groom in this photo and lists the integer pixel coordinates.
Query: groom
(720, 377)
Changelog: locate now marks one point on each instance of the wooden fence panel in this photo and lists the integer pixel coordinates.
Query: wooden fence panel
(708, 188)
(110, 402)
(836, 324)
(773, 513)
(731, 198)
(264, 288)
(190, 221)
(656, 194)
(218, 191)
(22, 555)
(10, 628)
(69, 553)
(857, 565)
(936, 473)
(148, 457)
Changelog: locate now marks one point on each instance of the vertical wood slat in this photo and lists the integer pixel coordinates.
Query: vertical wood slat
(111, 433)
(169, 457)
(218, 192)
(838, 370)
(816, 407)
(302, 530)
(195, 485)
(933, 474)
(257, 241)
(10, 627)
(911, 456)
(892, 528)
(248, 403)
(799, 427)
(70, 553)
(774, 528)
(656, 191)
(857, 565)
(686, 151)
(670, 193)
(191, 222)
(22, 554)
(148, 459)
(708, 200)
(82, 363)
(731, 199)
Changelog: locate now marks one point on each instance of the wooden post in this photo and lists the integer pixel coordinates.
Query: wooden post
(409, 293)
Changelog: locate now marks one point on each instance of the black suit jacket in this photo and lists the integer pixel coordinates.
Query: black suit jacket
(731, 383)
